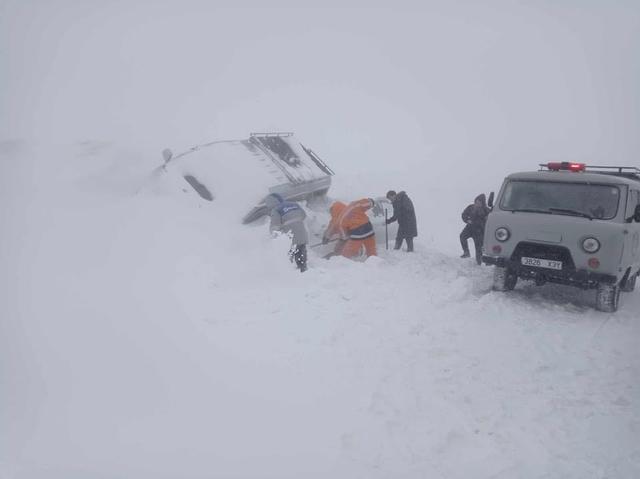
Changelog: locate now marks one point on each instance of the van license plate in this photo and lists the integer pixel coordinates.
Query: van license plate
(541, 263)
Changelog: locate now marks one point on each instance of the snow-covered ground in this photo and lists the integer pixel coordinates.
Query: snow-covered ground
(147, 334)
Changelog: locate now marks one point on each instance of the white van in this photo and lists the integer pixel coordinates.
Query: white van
(568, 223)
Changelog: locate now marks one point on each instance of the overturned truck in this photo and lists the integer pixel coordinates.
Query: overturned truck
(243, 172)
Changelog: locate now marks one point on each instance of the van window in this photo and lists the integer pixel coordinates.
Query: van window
(594, 201)
(634, 200)
(201, 189)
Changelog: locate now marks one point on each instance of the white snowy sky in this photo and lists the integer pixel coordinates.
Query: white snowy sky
(476, 83)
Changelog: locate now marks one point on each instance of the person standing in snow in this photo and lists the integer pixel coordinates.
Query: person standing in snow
(475, 217)
(405, 215)
(350, 225)
(288, 217)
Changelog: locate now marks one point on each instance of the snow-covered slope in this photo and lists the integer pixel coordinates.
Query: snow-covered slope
(150, 335)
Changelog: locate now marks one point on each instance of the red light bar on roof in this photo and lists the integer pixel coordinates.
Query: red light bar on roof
(566, 166)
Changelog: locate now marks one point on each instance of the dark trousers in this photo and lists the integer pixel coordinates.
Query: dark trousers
(477, 234)
(399, 243)
(298, 254)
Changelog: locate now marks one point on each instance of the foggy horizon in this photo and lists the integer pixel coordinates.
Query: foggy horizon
(504, 82)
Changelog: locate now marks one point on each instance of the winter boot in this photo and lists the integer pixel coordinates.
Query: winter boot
(465, 254)
(300, 257)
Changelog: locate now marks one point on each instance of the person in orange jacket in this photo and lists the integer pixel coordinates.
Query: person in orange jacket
(351, 226)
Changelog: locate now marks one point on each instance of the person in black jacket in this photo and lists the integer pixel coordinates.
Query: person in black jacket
(405, 215)
(475, 218)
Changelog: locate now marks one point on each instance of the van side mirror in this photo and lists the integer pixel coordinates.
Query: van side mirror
(490, 201)
(167, 154)
(636, 215)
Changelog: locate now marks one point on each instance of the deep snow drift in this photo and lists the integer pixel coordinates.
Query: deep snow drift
(150, 335)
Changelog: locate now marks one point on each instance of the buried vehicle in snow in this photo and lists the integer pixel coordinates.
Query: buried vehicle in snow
(571, 224)
(241, 173)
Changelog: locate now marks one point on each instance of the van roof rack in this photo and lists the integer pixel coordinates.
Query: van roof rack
(276, 133)
(630, 172)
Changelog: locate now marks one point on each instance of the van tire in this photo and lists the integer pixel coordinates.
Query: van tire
(504, 279)
(608, 298)
(630, 284)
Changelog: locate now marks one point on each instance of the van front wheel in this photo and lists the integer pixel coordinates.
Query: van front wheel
(608, 298)
(504, 279)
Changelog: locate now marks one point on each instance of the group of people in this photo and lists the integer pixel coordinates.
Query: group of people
(352, 231)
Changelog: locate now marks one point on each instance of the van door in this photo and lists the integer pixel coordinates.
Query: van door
(633, 246)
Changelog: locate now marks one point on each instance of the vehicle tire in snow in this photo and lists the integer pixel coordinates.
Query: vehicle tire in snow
(630, 284)
(608, 298)
(504, 279)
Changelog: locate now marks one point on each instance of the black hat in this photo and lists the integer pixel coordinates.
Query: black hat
(390, 194)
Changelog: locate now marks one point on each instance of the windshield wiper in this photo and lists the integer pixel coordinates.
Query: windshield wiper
(531, 210)
(571, 212)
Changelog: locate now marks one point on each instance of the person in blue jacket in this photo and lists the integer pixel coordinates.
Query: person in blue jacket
(288, 217)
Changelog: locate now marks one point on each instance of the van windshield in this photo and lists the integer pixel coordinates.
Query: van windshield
(575, 199)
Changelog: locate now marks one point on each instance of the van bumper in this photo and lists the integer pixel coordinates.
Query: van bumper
(577, 277)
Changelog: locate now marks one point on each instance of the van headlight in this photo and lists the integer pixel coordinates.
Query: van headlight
(590, 245)
(503, 234)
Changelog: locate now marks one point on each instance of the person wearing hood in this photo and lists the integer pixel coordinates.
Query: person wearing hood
(350, 225)
(405, 215)
(475, 218)
(288, 217)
